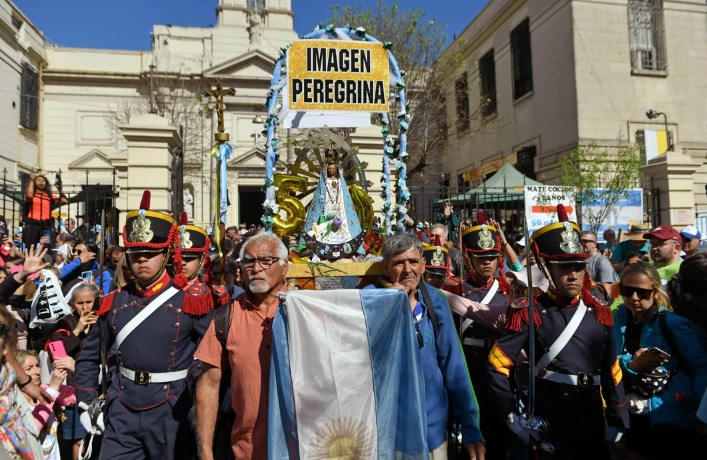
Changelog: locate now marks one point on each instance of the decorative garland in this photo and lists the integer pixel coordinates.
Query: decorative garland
(279, 80)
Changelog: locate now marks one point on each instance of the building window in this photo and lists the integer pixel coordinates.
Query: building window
(487, 73)
(526, 162)
(16, 22)
(522, 65)
(646, 32)
(462, 94)
(256, 4)
(29, 98)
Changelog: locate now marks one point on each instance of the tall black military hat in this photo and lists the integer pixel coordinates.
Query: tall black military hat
(436, 259)
(481, 240)
(190, 238)
(146, 230)
(559, 243)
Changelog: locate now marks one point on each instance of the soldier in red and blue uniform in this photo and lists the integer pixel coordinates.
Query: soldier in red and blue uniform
(573, 380)
(146, 405)
(485, 283)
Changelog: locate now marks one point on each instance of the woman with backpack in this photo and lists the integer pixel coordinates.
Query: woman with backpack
(663, 359)
(39, 202)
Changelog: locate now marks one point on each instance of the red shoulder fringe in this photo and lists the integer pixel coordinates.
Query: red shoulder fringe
(107, 303)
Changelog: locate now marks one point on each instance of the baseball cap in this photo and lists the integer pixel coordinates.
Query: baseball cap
(691, 232)
(663, 232)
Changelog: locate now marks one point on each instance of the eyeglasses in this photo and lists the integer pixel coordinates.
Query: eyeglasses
(588, 241)
(78, 252)
(627, 291)
(266, 262)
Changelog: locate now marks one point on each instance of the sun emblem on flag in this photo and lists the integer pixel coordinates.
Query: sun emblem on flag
(342, 439)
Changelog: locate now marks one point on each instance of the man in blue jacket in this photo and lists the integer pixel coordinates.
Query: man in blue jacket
(447, 382)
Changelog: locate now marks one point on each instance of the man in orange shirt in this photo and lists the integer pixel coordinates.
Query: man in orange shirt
(248, 348)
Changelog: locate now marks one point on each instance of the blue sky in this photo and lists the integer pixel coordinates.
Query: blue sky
(127, 24)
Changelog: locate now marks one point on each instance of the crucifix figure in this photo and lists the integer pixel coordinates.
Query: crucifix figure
(218, 94)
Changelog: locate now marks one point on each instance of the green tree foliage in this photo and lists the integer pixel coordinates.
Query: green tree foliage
(418, 45)
(599, 177)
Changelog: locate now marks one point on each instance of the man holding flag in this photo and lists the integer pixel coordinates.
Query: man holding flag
(447, 383)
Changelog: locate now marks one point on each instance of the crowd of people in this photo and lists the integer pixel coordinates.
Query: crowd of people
(611, 356)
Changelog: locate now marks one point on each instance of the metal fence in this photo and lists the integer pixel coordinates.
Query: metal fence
(85, 206)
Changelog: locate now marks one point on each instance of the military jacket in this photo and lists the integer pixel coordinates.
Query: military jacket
(590, 352)
(164, 342)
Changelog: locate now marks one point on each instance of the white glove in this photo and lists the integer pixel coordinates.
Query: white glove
(612, 434)
(92, 416)
(525, 434)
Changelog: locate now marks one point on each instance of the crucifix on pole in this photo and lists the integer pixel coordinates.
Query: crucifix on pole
(222, 150)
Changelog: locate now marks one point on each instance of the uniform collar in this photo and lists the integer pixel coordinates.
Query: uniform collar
(477, 282)
(561, 300)
(155, 288)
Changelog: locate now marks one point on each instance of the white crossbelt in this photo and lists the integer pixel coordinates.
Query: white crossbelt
(487, 298)
(156, 377)
(568, 378)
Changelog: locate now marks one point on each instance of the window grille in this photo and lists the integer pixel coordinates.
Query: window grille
(522, 62)
(487, 72)
(462, 96)
(646, 32)
(29, 98)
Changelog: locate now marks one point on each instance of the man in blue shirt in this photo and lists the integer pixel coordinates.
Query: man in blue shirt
(632, 244)
(447, 383)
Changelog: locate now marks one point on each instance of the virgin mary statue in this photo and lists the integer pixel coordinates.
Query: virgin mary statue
(332, 228)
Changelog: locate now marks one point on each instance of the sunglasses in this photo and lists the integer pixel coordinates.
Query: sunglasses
(627, 291)
(3, 330)
(588, 241)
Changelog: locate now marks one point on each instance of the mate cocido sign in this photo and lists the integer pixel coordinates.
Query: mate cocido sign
(338, 75)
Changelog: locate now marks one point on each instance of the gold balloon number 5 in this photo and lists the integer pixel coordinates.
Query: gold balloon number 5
(287, 187)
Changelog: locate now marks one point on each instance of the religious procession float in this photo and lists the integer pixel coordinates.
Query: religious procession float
(334, 78)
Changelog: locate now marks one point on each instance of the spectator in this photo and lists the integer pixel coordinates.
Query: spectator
(662, 390)
(113, 255)
(690, 240)
(123, 276)
(44, 415)
(688, 289)
(39, 202)
(599, 268)
(84, 261)
(15, 439)
(634, 242)
(450, 219)
(7, 247)
(247, 352)
(609, 236)
(73, 331)
(447, 385)
(665, 244)
(62, 255)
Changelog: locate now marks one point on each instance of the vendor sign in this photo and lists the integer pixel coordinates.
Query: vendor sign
(337, 75)
(541, 205)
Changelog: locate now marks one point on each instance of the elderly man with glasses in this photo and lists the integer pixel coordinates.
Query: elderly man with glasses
(247, 351)
(666, 245)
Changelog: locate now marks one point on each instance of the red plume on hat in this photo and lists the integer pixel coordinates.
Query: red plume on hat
(562, 213)
(436, 240)
(145, 202)
(480, 217)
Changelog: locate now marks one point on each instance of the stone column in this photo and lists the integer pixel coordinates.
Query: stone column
(672, 173)
(151, 141)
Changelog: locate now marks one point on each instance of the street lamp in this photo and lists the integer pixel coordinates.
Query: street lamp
(652, 114)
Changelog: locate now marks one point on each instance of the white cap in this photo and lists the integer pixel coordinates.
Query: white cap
(521, 242)
(65, 249)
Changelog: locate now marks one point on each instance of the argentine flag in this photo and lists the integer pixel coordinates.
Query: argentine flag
(346, 378)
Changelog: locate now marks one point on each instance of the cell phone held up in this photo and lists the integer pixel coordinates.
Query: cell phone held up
(57, 350)
(87, 277)
(658, 352)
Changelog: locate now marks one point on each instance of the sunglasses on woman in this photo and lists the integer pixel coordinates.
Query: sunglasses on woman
(627, 291)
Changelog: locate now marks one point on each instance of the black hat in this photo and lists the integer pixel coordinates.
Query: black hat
(190, 238)
(481, 240)
(436, 259)
(559, 242)
(147, 230)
